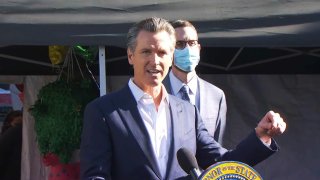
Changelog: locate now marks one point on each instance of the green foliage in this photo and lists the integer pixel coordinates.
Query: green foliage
(58, 115)
(88, 53)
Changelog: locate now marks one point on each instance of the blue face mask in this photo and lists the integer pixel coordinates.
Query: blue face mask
(186, 59)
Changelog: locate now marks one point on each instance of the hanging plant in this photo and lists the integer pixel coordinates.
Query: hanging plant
(58, 113)
(88, 53)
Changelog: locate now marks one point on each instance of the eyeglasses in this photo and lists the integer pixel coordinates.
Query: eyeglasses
(182, 44)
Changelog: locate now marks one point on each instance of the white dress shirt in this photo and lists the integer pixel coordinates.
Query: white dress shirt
(157, 122)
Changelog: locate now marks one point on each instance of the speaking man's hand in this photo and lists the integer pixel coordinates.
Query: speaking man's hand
(270, 125)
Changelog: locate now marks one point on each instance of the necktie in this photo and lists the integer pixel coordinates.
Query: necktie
(184, 93)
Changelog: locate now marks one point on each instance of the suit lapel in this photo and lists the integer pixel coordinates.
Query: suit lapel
(167, 84)
(203, 95)
(131, 116)
(177, 118)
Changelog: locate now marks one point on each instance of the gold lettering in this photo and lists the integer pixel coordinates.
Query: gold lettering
(231, 167)
(252, 176)
(213, 173)
(219, 171)
(239, 169)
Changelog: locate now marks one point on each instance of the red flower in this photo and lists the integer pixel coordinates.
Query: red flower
(50, 159)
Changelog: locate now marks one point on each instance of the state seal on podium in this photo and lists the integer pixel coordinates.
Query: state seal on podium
(230, 170)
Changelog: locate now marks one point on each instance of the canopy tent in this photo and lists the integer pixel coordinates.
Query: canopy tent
(34, 60)
(243, 36)
(221, 23)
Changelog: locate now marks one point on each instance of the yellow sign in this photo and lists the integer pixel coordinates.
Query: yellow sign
(230, 170)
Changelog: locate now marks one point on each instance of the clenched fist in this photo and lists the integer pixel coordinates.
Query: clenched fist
(270, 125)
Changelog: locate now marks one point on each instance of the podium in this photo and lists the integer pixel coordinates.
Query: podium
(230, 170)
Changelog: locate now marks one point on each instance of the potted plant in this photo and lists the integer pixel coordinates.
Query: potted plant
(58, 114)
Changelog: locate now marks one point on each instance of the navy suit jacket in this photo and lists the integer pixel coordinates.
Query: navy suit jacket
(115, 143)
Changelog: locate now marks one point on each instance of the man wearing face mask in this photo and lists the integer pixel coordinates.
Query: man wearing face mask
(184, 82)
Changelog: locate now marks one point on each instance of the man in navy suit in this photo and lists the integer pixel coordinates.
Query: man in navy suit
(134, 133)
(208, 98)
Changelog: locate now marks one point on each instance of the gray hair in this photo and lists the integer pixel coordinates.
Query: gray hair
(153, 24)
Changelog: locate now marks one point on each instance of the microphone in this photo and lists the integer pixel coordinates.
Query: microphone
(188, 163)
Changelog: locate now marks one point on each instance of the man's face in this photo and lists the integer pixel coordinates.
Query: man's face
(187, 53)
(184, 34)
(151, 59)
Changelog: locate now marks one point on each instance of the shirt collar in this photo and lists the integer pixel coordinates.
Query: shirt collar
(176, 84)
(139, 94)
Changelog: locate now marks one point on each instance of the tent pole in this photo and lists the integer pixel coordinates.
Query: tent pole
(102, 70)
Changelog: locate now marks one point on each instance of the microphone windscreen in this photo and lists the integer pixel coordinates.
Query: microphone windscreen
(187, 160)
